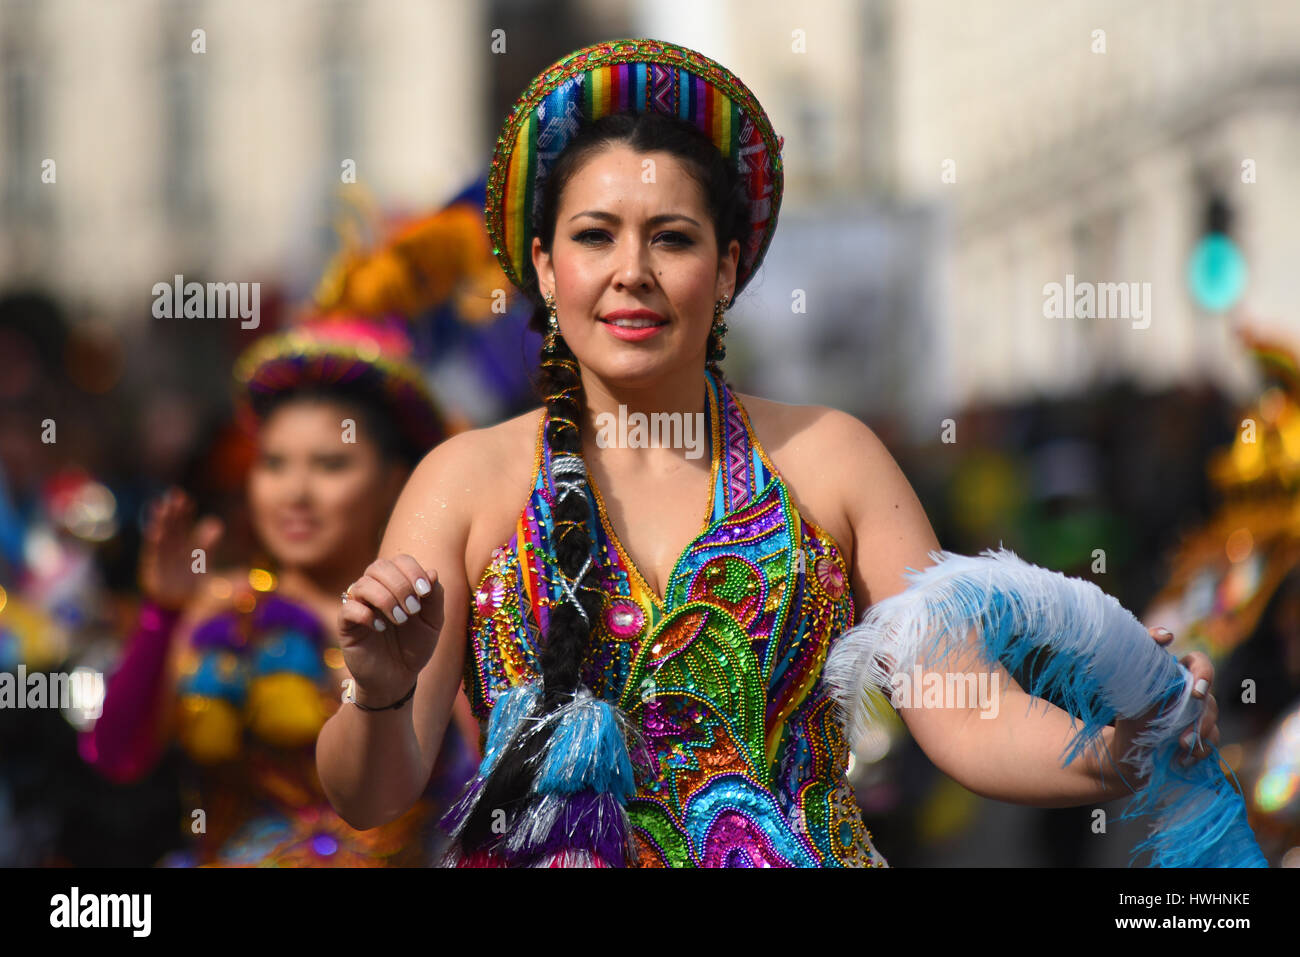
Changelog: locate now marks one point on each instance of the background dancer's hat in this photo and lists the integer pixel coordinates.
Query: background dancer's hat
(352, 354)
(639, 76)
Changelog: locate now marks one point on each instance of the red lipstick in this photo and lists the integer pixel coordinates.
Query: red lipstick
(633, 333)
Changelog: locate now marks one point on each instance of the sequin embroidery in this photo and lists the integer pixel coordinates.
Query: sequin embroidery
(745, 761)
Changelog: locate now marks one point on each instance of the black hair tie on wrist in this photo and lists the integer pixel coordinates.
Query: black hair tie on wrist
(389, 707)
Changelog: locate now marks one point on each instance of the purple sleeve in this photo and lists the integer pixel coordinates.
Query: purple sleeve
(123, 744)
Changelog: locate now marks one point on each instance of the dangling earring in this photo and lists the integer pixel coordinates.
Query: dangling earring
(717, 351)
(553, 329)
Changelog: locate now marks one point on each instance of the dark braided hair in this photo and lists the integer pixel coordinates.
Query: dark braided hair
(560, 386)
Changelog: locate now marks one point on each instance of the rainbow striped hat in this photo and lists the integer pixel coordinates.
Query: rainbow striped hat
(628, 75)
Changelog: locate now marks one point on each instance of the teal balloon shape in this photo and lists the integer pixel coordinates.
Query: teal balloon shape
(1216, 273)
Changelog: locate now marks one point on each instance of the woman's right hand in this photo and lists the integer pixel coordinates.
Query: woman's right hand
(389, 627)
(167, 574)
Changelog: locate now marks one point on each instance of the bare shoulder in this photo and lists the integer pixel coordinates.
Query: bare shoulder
(482, 477)
(484, 455)
(818, 450)
(828, 446)
(807, 423)
(837, 464)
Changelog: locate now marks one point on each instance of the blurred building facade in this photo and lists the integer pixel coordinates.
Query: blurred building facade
(226, 162)
(1089, 139)
(944, 163)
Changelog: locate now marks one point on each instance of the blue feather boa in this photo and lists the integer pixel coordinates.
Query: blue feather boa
(1102, 665)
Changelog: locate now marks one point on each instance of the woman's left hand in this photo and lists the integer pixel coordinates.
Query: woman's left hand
(1193, 748)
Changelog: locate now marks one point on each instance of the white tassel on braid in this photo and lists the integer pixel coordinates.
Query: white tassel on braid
(567, 463)
(561, 465)
(1090, 656)
(570, 588)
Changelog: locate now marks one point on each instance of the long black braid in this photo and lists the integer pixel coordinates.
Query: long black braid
(559, 383)
(569, 632)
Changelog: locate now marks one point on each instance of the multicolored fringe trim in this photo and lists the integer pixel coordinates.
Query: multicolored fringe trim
(1092, 658)
(576, 812)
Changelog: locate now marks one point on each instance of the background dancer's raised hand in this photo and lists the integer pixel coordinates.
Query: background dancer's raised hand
(167, 556)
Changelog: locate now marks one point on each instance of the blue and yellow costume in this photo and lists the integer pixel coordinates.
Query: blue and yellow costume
(258, 682)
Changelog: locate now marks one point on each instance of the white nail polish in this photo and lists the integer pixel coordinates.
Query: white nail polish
(398, 615)
(423, 587)
(1201, 687)
(1186, 740)
(412, 605)
(379, 624)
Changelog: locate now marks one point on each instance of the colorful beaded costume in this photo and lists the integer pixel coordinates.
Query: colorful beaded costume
(744, 758)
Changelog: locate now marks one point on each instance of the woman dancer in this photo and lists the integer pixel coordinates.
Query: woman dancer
(650, 678)
(243, 668)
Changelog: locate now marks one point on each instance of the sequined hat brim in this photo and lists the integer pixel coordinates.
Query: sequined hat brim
(639, 75)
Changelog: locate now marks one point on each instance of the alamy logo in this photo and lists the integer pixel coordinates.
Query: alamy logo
(102, 910)
(937, 689)
(82, 690)
(659, 430)
(217, 300)
(1104, 300)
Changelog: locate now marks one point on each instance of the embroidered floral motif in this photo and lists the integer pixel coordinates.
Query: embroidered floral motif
(743, 763)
